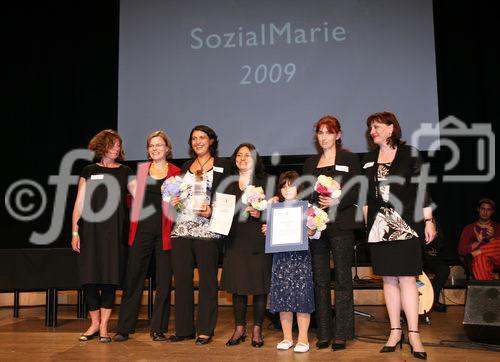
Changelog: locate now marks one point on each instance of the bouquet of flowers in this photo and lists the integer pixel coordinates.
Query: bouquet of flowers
(175, 186)
(254, 197)
(327, 186)
(316, 218)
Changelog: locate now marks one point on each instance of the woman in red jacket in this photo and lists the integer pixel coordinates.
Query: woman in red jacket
(150, 225)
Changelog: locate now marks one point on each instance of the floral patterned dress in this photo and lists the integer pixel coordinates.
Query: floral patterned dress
(188, 223)
(394, 244)
(292, 288)
(388, 224)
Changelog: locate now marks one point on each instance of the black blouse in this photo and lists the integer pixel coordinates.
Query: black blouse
(152, 224)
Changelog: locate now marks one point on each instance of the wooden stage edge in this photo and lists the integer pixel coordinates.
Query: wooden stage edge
(26, 338)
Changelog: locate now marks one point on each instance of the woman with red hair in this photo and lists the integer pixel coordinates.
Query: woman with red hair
(338, 238)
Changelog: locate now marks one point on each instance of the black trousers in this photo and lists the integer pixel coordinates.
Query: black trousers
(137, 266)
(437, 265)
(185, 252)
(99, 296)
(342, 326)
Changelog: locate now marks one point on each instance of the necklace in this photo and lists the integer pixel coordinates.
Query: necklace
(153, 171)
(199, 173)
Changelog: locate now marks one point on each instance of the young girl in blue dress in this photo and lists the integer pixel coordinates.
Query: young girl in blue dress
(292, 287)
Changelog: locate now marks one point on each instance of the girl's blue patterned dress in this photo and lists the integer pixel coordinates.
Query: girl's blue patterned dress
(292, 287)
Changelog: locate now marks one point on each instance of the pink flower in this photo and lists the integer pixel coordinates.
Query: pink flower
(254, 197)
(316, 218)
(327, 186)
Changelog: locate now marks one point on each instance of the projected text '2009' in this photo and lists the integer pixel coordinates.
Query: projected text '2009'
(267, 35)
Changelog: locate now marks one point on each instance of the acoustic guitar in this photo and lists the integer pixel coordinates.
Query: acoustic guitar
(425, 294)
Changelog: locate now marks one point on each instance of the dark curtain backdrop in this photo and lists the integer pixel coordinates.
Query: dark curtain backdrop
(62, 81)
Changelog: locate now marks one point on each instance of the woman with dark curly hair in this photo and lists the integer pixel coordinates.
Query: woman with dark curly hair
(193, 242)
(99, 229)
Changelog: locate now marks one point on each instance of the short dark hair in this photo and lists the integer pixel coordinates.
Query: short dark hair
(289, 177)
(213, 148)
(486, 201)
(387, 118)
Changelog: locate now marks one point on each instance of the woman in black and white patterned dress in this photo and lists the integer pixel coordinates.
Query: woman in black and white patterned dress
(399, 217)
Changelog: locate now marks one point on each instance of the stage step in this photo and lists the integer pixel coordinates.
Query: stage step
(367, 291)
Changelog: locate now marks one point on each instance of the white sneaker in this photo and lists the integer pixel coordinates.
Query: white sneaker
(284, 345)
(301, 347)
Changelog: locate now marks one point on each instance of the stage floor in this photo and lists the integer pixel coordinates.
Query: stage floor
(26, 338)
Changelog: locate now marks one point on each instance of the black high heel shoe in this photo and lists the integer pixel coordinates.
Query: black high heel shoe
(257, 332)
(105, 339)
(235, 341)
(257, 344)
(387, 349)
(338, 344)
(322, 343)
(201, 341)
(416, 354)
(88, 337)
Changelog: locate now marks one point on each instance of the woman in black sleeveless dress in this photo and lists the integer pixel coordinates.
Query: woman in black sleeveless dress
(100, 239)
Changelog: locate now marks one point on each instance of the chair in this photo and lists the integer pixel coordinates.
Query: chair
(466, 261)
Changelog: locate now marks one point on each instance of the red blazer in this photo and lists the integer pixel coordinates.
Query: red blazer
(168, 214)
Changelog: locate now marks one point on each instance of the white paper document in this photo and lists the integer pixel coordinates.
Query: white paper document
(287, 226)
(222, 214)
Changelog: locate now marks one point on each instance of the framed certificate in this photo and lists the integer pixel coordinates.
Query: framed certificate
(286, 227)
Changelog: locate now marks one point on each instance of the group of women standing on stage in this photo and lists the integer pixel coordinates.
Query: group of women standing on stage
(180, 239)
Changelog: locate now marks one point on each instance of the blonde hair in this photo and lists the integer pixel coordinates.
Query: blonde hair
(165, 137)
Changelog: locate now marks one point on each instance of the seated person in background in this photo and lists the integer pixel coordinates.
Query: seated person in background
(481, 240)
(435, 263)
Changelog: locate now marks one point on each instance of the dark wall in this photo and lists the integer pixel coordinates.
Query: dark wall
(468, 77)
(62, 77)
(62, 72)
